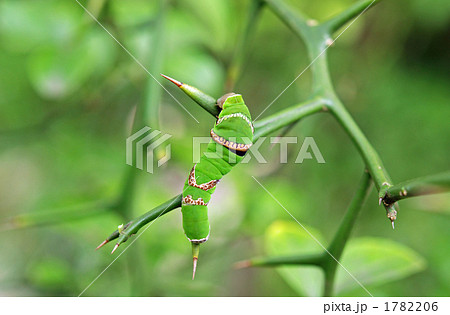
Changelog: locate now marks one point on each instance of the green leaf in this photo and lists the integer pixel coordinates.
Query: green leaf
(376, 261)
(373, 261)
(289, 238)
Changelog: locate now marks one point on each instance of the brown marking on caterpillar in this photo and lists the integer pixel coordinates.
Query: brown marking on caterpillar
(229, 144)
(189, 201)
(205, 186)
(236, 115)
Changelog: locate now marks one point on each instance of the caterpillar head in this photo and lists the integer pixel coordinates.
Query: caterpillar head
(222, 99)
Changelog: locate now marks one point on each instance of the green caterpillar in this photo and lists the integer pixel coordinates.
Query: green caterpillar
(232, 136)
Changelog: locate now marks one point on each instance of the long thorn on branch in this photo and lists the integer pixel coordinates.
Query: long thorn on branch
(135, 225)
(263, 126)
(204, 100)
(113, 236)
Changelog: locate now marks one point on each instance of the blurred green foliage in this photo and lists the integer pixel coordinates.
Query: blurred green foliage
(372, 261)
(67, 96)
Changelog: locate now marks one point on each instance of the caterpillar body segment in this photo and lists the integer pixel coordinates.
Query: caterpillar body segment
(232, 136)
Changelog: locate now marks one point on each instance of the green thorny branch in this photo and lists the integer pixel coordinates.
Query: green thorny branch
(318, 37)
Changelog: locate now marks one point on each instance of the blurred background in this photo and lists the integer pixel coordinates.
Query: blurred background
(68, 94)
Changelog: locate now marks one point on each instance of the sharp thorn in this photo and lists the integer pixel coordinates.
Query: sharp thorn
(195, 252)
(177, 83)
(379, 201)
(393, 226)
(103, 243)
(194, 267)
(115, 247)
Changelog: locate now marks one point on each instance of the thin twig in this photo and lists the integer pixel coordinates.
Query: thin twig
(45, 218)
(334, 23)
(341, 237)
(432, 184)
(135, 225)
(237, 61)
(315, 260)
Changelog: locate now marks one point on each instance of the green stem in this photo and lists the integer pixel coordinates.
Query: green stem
(369, 154)
(153, 90)
(288, 116)
(135, 225)
(124, 203)
(321, 80)
(282, 260)
(263, 126)
(337, 246)
(207, 102)
(431, 184)
(39, 218)
(236, 64)
(336, 22)
(284, 131)
(297, 22)
(315, 38)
